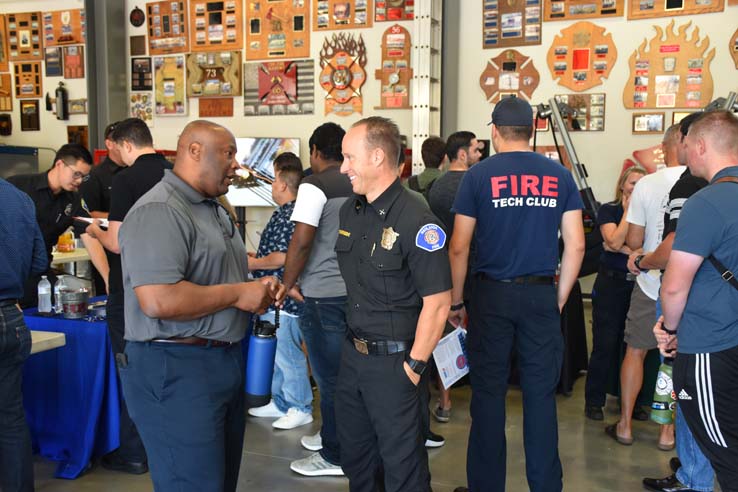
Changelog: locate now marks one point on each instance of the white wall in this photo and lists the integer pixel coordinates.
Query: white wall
(53, 133)
(602, 152)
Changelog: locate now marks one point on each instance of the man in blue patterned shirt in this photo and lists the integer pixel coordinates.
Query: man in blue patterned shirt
(291, 394)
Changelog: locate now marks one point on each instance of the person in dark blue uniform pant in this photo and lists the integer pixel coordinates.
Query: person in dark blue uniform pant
(392, 255)
(518, 201)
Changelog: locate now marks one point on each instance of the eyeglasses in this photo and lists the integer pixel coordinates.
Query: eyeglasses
(77, 174)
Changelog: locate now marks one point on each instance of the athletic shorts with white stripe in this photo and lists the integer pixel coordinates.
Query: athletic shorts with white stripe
(706, 386)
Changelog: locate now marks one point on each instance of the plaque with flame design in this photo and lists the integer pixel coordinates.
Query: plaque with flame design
(342, 60)
(671, 70)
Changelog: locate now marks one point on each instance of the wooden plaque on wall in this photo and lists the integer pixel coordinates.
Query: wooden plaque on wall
(64, 27)
(216, 25)
(647, 9)
(581, 56)
(556, 10)
(30, 117)
(511, 23)
(4, 66)
(259, 100)
(277, 30)
(342, 60)
(214, 107)
(6, 92)
(74, 62)
(167, 27)
(511, 73)
(395, 73)
(78, 134)
(341, 14)
(733, 48)
(394, 10)
(590, 111)
(169, 85)
(24, 36)
(28, 80)
(671, 71)
(141, 106)
(214, 74)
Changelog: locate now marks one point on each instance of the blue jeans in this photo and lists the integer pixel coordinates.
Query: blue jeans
(290, 383)
(323, 325)
(16, 461)
(188, 404)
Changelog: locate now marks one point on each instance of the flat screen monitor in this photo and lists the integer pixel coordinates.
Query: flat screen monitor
(259, 153)
(18, 160)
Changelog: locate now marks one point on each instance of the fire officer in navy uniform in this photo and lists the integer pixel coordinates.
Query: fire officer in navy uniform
(514, 203)
(391, 253)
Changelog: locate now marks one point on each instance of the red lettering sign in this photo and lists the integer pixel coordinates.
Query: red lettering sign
(525, 185)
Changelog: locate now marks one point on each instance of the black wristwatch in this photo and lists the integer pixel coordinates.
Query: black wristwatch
(637, 263)
(670, 332)
(457, 307)
(418, 366)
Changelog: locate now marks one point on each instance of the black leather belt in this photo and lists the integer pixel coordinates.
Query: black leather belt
(618, 274)
(8, 302)
(526, 279)
(379, 347)
(197, 341)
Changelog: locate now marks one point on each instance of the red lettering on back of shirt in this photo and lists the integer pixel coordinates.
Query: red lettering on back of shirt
(550, 186)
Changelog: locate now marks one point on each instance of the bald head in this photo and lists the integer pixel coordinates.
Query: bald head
(206, 157)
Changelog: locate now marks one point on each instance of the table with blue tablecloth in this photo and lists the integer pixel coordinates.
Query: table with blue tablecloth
(71, 396)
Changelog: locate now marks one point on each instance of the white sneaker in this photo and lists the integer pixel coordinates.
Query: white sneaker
(315, 466)
(294, 418)
(268, 410)
(312, 443)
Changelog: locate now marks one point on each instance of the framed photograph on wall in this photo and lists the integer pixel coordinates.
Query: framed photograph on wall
(648, 123)
(678, 116)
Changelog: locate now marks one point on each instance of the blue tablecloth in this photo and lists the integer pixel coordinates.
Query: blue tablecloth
(71, 394)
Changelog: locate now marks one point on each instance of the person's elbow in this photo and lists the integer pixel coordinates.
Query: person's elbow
(152, 305)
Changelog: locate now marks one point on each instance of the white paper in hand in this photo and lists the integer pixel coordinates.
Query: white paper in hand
(451, 358)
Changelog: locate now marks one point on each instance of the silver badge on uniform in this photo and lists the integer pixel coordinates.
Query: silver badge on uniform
(389, 236)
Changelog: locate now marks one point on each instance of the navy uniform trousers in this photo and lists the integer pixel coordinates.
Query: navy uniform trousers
(379, 424)
(505, 317)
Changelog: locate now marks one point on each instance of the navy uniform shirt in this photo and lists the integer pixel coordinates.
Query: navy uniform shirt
(391, 253)
(21, 243)
(128, 186)
(96, 191)
(54, 213)
(517, 199)
(612, 213)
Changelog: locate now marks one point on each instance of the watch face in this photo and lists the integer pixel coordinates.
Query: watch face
(394, 78)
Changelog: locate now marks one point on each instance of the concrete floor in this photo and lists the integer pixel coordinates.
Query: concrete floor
(591, 460)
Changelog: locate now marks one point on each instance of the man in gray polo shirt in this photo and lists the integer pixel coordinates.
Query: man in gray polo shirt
(312, 258)
(187, 305)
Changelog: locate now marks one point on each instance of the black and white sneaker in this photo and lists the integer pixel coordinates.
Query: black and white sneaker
(433, 440)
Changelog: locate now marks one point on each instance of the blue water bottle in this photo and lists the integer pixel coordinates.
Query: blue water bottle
(260, 364)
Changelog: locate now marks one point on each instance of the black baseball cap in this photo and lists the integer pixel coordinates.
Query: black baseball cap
(512, 111)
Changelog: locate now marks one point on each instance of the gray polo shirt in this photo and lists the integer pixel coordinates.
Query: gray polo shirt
(174, 233)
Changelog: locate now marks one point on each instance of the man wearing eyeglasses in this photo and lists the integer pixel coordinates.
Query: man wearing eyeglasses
(56, 196)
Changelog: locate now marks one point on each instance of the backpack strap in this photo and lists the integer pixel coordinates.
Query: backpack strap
(725, 273)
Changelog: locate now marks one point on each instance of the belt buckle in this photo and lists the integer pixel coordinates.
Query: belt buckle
(361, 346)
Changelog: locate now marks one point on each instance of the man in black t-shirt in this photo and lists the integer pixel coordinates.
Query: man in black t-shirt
(96, 190)
(145, 168)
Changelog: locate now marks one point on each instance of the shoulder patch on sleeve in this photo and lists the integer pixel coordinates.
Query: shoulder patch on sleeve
(430, 237)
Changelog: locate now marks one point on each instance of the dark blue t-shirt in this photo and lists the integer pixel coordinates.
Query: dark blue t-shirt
(612, 213)
(518, 199)
(708, 225)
